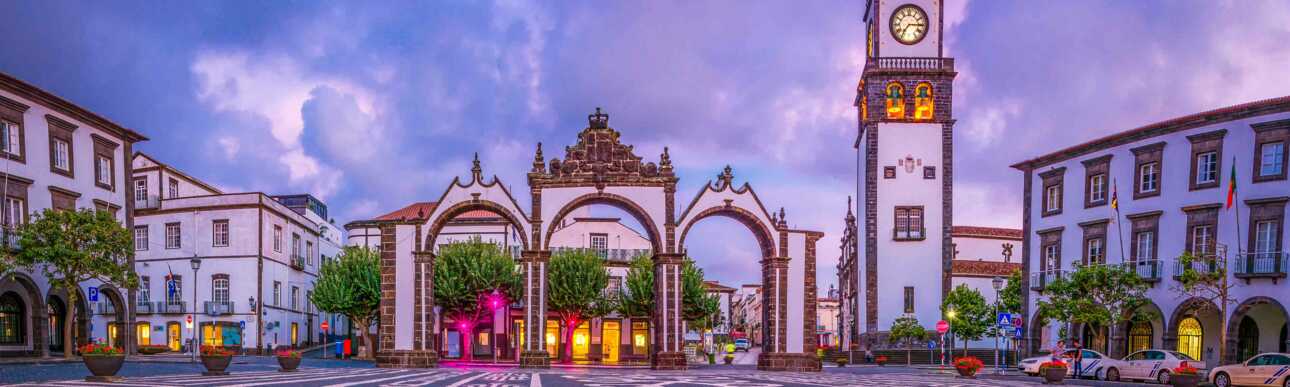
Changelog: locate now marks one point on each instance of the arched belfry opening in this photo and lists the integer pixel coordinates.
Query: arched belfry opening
(599, 170)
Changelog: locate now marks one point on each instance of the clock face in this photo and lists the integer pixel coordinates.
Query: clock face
(909, 24)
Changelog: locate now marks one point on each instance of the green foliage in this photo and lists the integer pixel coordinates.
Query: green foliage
(972, 316)
(906, 328)
(72, 247)
(576, 282)
(466, 272)
(351, 285)
(637, 295)
(1010, 295)
(699, 309)
(1209, 284)
(1102, 295)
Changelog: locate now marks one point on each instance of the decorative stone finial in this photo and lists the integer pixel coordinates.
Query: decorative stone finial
(726, 176)
(598, 120)
(539, 162)
(475, 170)
(783, 222)
(850, 216)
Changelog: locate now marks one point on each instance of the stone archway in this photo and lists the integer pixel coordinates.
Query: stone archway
(1143, 328)
(118, 312)
(1263, 314)
(609, 199)
(36, 326)
(80, 310)
(1178, 337)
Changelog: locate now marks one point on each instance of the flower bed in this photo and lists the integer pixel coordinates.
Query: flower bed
(881, 360)
(288, 360)
(968, 366)
(1185, 376)
(216, 360)
(1053, 372)
(153, 349)
(103, 361)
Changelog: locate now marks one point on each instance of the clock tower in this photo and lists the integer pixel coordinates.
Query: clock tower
(904, 170)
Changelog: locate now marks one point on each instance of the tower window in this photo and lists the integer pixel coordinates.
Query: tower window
(895, 101)
(923, 105)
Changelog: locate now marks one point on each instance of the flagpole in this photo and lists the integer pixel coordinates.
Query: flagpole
(1119, 225)
(1236, 201)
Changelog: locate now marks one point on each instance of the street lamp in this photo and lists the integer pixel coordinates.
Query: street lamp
(997, 283)
(197, 264)
(495, 300)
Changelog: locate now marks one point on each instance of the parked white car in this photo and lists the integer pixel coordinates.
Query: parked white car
(1269, 369)
(1094, 365)
(1152, 364)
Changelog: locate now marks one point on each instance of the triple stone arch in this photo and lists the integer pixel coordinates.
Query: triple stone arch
(647, 193)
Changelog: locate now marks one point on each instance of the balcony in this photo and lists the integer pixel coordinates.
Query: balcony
(152, 202)
(105, 308)
(908, 63)
(1149, 270)
(218, 308)
(1202, 265)
(143, 307)
(1269, 264)
(612, 255)
(178, 307)
(1040, 279)
(297, 262)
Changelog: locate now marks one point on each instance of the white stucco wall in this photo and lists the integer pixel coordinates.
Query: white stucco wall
(921, 141)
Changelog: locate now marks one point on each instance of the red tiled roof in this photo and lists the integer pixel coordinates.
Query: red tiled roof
(986, 232)
(414, 211)
(1234, 112)
(962, 267)
(478, 214)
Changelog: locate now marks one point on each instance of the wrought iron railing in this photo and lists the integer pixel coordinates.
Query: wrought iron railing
(151, 202)
(1147, 269)
(172, 307)
(909, 234)
(1267, 263)
(1038, 280)
(297, 262)
(217, 308)
(105, 307)
(911, 63)
(615, 255)
(143, 307)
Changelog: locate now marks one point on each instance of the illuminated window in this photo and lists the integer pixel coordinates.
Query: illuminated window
(1190, 337)
(923, 101)
(895, 101)
(143, 331)
(1140, 336)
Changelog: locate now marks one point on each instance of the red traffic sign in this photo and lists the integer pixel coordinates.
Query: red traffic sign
(1016, 321)
(190, 319)
(942, 327)
(324, 325)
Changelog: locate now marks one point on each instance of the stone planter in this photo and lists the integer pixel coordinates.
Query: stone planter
(1054, 375)
(967, 373)
(216, 365)
(288, 363)
(103, 367)
(1184, 380)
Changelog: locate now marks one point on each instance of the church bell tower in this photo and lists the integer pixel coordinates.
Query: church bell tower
(904, 167)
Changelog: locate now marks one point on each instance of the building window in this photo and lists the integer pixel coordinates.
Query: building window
(1095, 252)
(173, 236)
(141, 190)
(174, 290)
(1190, 338)
(1053, 199)
(909, 299)
(219, 233)
(141, 238)
(1265, 237)
(909, 223)
(13, 314)
(1206, 168)
(895, 101)
(615, 285)
(1202, 240)
(295, 298)
(1149, 177)
(145, 289)
(277, 293)
(174, 188)
(889, 172)
(103, 171)
(15, 212)
(929, 173)
(923, 104)
(11, 134)
(309, 252)
(600, 244)
(62, 154)
(1097, 188)
(1053, 187)
(1144, 243)
(1140, 336)
(219, 289)
(1052, 257)
(277, 238)
(295, 246)
(1271, 159)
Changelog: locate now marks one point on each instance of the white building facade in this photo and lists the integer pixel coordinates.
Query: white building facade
(55, 154)
(1171, 180)
(258, 258)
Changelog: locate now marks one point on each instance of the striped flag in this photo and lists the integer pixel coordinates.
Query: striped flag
(1231, 185)
(1115, 197)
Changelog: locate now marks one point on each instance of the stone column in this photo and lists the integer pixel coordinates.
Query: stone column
(425, 338)
(774, 313)
(534, 355)
(669, 338)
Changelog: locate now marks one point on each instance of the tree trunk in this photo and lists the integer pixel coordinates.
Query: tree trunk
(368, 343)
(69, 316)
(568, 343)
(467, 349)
(965, 345)
(909, 352)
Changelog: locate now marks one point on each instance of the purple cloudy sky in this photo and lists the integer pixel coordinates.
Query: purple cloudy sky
(372, 108)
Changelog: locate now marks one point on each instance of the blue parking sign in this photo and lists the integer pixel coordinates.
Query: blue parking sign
(94, 294)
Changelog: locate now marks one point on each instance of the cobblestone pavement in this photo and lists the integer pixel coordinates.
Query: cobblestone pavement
(344, 374)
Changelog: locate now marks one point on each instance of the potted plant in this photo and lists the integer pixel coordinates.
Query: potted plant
(152, 349)
(841, 361)
(103, 361)
(289, 360)
(729, 358)
(1185, 376)
(1053, 371)
(881, 360)
(967, 366)
(216, 360)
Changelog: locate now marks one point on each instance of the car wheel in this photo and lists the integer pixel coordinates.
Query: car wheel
(1113, 375)
(1163, 377)
(1222, 380)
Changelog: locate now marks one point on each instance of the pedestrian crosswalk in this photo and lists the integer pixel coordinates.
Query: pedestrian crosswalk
(454, 377)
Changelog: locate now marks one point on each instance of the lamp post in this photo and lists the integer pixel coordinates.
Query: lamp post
(494, 301)
(250, 301)
(197, 264)
(950, 315)
(997, 282)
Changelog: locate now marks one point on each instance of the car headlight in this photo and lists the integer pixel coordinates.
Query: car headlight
(1029, 361)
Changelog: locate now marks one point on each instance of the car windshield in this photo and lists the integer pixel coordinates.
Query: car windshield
(1182, 356)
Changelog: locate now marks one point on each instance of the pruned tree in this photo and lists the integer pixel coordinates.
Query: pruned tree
(637, 295)
(71, 247)
(971, 315)
(1205, 278)
(576, 283)
(466, 275)
(350, 285)
(700, 310)
(1010, 295)
(907, 329)
(1100, 295)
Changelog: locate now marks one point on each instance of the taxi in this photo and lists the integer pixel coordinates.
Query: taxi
(1153, 364)
(1269, 369)
(1095, 365)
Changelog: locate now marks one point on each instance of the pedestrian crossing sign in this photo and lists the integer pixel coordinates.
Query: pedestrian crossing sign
(1005, 319)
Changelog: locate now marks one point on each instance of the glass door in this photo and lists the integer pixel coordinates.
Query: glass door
(610, 335)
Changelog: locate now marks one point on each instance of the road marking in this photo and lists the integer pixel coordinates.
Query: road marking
(535, 380)
(370, 381)
(308, 380)
(464, 381)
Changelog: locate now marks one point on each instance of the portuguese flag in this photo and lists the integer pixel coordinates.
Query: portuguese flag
(1231, 186)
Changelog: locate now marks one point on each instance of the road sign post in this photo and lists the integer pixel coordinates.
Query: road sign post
(942, 327)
